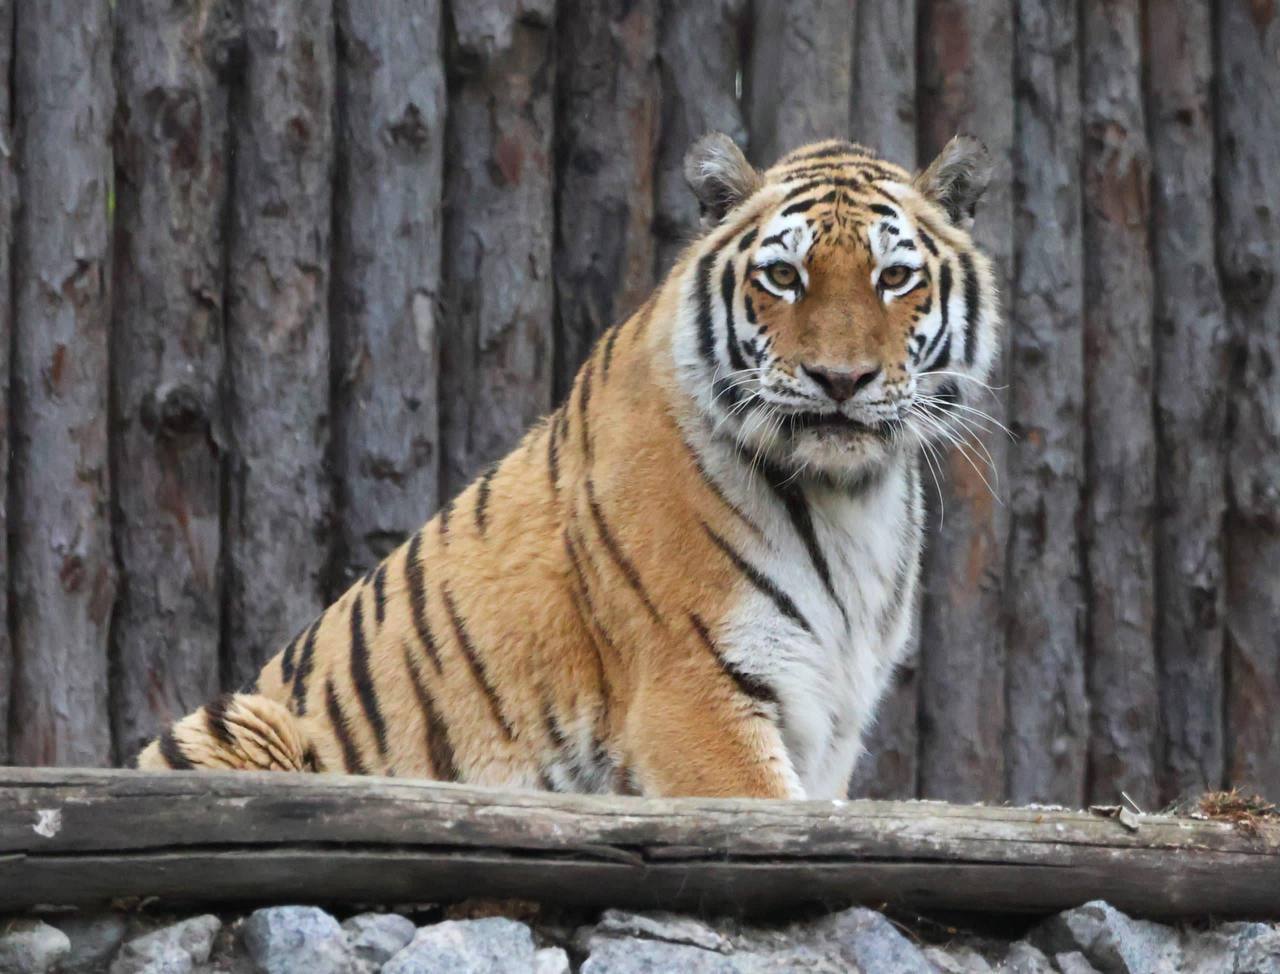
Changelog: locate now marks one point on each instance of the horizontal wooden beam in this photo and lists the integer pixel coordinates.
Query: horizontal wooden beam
(82, 837)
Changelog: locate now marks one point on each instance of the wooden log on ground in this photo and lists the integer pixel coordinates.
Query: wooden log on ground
(87, 836)
(8, 200)
(1048, 719)
(1192, 370)
(166, 364)
(699, 55)
(63, 575)
(387, 225)
(1249, 256)
(967, 63)
(1120, 460)
(799, 76)
(280, 495)
(606, 147)
(497, 350)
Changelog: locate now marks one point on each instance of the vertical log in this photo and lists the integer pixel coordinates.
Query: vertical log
(967, 51)
(1119, 527)
(1249, 255)
(387, 225)
(1048, 711)
(607, 150)
(882, 115)
(7, 202)
(166, 364)
(496, 360)
(800, 74)
(700, 68)
(1191, 373)
(63, 575)
(278, 329)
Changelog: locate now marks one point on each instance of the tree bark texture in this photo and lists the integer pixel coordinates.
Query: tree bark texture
(497, 352)
(607, 149)
(386, 288)
(1048, 719)
(800, 75)
(1192, 368)
(1249, 255)
(966, 71)
(280, 496)
(882, 114)
(1120, 471)
(699, 52)
(64, 578)
(167, 358)
(7, 200)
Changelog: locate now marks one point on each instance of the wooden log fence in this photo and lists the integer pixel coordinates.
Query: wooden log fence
(87, 837)
(276, 280)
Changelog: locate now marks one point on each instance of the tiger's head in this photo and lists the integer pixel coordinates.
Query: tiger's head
(836, 309)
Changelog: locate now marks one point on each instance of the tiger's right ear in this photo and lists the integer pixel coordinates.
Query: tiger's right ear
(719, 175)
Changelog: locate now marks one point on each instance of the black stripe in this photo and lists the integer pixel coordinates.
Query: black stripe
(587, 613)
(362, 678)
(584, 397)
(416, 577)
(380, 594)
(553, 728)
(905, 245)
(615, 552)
(478, 668)
(439, 748)
(774, 238)
(944, 295)
(884, 210)
(840, 182)
(716, 489)
(553, 455)
(927, 240)
(840, 150)
(748, 684)
(972, 301)
(766, 585)
(351, 762)
(728, 281)
(215, 721)
(305, 662)
(797, 508)
(482, 498)
(706, 327)
(943, 358)
(882, 194)
(171, 751)
(286, 661)
(445, 513)
(609, 339)
(747, 239)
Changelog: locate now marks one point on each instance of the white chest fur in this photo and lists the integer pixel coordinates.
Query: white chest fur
(831, 666)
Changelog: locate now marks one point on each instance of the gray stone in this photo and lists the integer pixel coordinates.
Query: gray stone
(663, 926)
(94, 940)
(870, 941)
(632, 955)
(1242, 948)
(1074, 962)
(377, 937)
(1022, 958)
(31, 947)
(494, 945)
(957, 960)
(175, 949)
(297, 940)
(1111, 941)
(551, 960)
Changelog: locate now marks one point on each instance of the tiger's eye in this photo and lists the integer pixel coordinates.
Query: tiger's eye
(894, 277)
(782, 275)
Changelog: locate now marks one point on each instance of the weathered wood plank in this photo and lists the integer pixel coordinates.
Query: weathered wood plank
(497, 352)
(386, 257)
(166, 362)
(1249, 257)
(967, 86)
(221, 838)
(799, 76)
(606, 146)
(1048, 728)
(280, 496)
(8, 201)
(1192, 369)
(699, 57)
(1120, 458)
(63, 576)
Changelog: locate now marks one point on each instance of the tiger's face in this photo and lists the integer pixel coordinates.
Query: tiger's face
(839, 309)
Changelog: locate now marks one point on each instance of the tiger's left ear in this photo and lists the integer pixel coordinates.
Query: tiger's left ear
(957, 178)
(719, 175)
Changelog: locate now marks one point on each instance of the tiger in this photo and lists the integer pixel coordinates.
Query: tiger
(695, 577)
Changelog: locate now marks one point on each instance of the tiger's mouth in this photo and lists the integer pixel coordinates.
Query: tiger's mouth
(837, 424)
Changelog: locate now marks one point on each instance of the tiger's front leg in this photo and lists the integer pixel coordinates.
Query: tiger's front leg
(683, 744)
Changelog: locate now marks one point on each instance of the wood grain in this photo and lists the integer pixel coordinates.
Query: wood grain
(8, 199)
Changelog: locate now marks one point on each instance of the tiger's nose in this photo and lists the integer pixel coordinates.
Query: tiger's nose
(842, 384)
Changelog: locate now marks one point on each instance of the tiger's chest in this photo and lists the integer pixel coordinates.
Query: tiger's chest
(848, 564)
